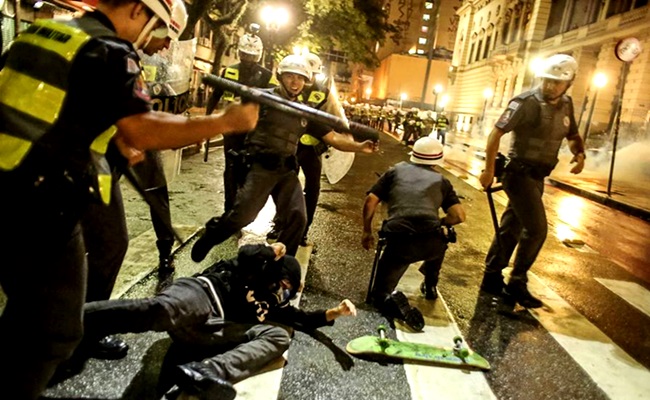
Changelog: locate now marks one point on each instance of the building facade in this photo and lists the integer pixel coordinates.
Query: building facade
(499, 42)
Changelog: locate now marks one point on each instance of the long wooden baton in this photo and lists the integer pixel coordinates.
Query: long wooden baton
(359, 132)
(381, 242)
(493, 211)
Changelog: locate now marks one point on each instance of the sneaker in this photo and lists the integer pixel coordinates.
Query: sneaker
(429, 293)
(402, 310)
(492, 283)
(519, 293)
(200, 380)
(108, 348)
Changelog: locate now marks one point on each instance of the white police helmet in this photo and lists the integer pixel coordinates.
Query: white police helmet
(560, 67)
(427, 151)
(162, 10)
(294, 64)
(314, 62)
(252, 45)
(178, 21)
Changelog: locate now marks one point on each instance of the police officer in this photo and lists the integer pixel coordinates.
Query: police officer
(442, 124)
(248, 72)
(271, 152)
(539, 120)
(413, 192)
(104, 226)
(65, 90)
(221, 320)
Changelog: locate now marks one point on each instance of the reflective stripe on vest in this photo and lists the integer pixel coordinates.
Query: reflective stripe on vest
(33, 87)
(309, 140)
(233, 75)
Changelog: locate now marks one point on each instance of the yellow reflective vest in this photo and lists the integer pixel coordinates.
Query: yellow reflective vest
(32, 95)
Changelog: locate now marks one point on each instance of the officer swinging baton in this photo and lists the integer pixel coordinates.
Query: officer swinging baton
(359, 132)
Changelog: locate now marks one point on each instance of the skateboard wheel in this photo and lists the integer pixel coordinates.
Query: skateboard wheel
(381, 328)
(458, 340)
(463, 353)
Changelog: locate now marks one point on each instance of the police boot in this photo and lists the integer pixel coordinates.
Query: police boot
(398, 307)
(492, 283)
(517, 291)
(200, 380)
(165, 260)
(429, 291)
(207, 241)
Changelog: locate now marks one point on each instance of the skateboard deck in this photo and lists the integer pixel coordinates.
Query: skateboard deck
(459, 355)
(336, 164)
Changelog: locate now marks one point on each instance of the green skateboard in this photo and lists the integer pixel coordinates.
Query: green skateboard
(459, 355)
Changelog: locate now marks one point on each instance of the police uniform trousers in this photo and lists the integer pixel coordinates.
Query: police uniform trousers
(184, 310)
(441, 134)
(283, 185)
(523, 223)
(234, 173)
(43, 274)
(312, 166)
(403, 249)
(106, 238)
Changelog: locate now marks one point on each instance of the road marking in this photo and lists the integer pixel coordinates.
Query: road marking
(427, 380)
(633, 293)
(611, 368)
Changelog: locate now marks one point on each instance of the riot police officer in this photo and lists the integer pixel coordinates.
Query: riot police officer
(539, 120)
(414, 192)
(55, 131)
(250, 73)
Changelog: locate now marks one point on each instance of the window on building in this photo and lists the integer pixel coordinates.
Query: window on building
(424, 29)
(471, 53)
(420, 51)
(426, 17)
(487, 49)
(428, 5)
(478, 50)
(621, 6)
(422, 40)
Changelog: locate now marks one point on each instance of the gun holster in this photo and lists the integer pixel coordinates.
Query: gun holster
(449, 234)
(500, 166)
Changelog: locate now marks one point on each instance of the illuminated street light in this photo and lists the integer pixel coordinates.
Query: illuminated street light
(443, 102)
(274, 18)
(536, 64)
(402, 97)
(437, 89)
(599, 81)
(368, 93)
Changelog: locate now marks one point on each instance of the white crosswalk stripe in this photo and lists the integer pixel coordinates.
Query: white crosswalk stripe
(633, 293)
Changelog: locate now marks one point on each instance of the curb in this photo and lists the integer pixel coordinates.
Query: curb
(604, 200)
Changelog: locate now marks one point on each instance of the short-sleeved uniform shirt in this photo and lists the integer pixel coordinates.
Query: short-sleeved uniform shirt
(414, 222)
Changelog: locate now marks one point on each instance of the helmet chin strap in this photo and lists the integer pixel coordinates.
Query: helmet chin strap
(145, 35)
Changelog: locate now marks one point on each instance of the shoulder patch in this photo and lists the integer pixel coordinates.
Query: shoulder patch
(513, 105)
(132, 66)
(505, 117)
(566, 121)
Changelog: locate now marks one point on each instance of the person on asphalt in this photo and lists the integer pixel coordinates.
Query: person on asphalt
(220, 319)
(319, 94)
(66, 90)
(271, 153)
(247, 72)
(539, 119)
(413, 192)
(104, 226)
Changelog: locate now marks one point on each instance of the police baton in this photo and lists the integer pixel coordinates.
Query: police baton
(381, 242)
(493, 211)
(135, 182)
(359, 132)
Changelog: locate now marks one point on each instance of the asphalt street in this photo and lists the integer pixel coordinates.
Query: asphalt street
(590, 341)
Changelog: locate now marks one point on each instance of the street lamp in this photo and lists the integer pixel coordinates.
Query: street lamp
(487, 95)
(443, 102)
(436, 91)
(274, 17)
(368, 93)
(402, 97)
(599, 81)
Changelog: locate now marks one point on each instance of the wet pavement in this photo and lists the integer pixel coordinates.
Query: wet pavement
(541, 354)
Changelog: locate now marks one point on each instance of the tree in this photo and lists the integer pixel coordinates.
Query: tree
(221, 16)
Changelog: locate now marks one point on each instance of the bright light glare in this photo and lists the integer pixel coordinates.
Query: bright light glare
(403, 96)
(437, 89)
(488, 93)
(536, 64)
(569, 212)
(369, 91)
(600, 80)
(275, 15)
(444, 100)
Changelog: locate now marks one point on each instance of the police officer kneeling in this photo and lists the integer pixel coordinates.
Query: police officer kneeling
(413, 192)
